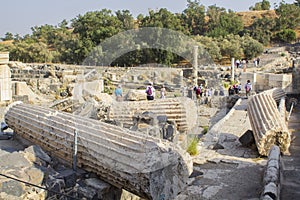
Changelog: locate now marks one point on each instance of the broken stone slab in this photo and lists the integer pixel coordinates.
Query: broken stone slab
(37, 152)
(146, 166)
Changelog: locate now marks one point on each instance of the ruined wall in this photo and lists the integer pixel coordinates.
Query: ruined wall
(265, 81)
(5, 78)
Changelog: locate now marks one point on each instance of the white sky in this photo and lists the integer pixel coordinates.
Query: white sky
(18, 16)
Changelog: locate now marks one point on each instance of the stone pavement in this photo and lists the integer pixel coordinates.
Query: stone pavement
(290, 183)
(229, 171)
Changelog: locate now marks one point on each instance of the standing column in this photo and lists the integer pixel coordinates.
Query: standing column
(5, 78)
(232, 69)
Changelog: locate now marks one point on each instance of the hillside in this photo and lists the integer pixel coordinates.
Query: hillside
(248, 17)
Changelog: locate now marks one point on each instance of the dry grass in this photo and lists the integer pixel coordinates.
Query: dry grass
(248, 17)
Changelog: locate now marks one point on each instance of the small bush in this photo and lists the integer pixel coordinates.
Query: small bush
(192, 147)
(226, 85)
(205, 130)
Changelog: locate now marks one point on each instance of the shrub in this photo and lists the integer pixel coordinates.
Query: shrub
(205, 130)
(192, 147)
(226, 85)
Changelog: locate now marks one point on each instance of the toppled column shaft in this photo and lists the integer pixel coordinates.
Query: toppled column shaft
(276, 93)
(181, 110)
(145, 166)
(267, 124)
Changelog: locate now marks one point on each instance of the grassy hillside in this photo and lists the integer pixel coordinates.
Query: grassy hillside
(248, 17)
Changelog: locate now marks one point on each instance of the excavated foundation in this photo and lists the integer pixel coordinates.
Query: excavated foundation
(146, 166)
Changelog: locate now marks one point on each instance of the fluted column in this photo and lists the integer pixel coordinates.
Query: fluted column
(267, 124)
(149, 167)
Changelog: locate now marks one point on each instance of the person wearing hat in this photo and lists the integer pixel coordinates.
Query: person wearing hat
(150, 92)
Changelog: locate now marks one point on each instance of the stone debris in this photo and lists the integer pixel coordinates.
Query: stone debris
(182, 111)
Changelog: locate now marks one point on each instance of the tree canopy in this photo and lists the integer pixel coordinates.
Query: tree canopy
(219, 31)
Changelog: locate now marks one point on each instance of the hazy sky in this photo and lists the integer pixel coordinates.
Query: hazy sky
(18, 16)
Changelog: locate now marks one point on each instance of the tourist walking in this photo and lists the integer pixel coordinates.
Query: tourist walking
(119, 93)
(248, 88)
(150, 92)
(163, 92)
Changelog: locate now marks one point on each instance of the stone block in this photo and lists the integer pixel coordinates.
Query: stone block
(247, 139)
(69, 177)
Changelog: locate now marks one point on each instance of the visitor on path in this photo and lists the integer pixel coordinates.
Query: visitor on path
(248, 88)
(236, 89)
(119, 93)
(230, 90)
(150, 92)
(258, 60)
(239, 87)
(163, 92)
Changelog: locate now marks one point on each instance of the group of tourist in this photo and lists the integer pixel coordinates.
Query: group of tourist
(236, 88)
(199, 91)
(150, 92)
(243, 63)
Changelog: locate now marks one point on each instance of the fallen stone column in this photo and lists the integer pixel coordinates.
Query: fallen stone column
(146, 166)
(267, 124)
(181, 110)
(276, 93)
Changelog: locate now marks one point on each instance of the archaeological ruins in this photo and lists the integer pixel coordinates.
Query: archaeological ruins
(68, 115)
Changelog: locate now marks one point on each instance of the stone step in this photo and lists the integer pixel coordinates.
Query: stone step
(182, 111)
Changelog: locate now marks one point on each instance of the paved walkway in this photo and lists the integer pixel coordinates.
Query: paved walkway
(290, 183)
(230, 172)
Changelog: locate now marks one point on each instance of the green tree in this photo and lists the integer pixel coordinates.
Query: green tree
(231, 46)
(8, 36)
(96, 26)
(126, 19)
(251, 47)
(211, 45)
(262, 30)
(264, 5)
(288, 16)
(286, 35)
(193, 17)
(222, 23)
(162, 19)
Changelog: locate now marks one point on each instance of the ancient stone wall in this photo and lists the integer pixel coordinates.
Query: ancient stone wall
(265, 81)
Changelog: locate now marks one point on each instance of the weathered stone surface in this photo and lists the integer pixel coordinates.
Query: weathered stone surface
(143, 165)
(135, 95)
(267, 124)
(247, 139)
(14, 160)
(181, 110)
(37, 152)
